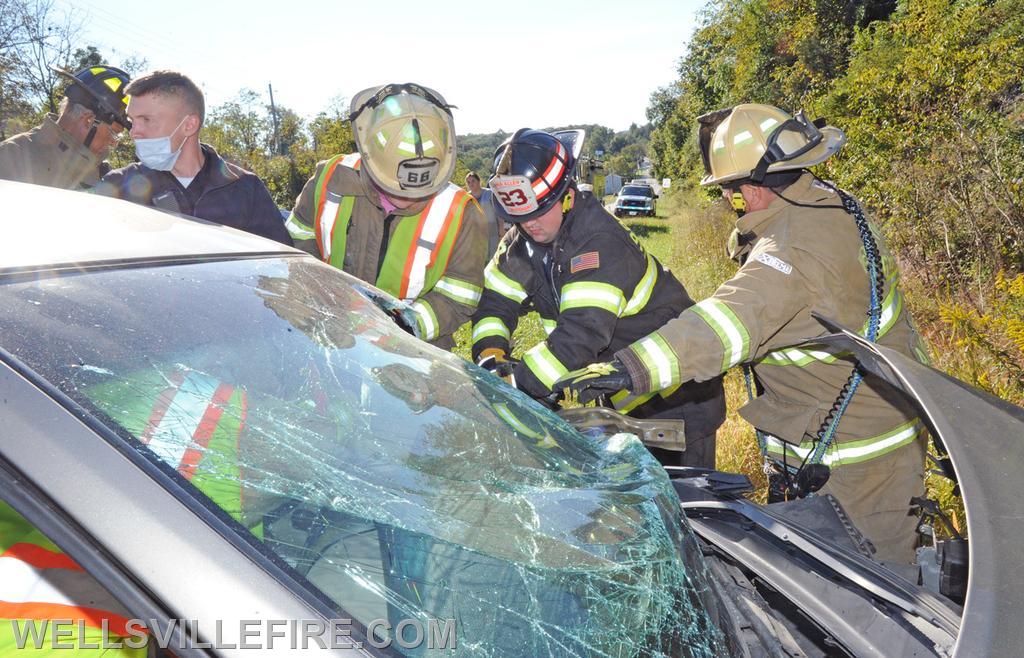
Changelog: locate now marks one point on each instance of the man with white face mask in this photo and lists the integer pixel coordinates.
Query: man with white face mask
(180, 174)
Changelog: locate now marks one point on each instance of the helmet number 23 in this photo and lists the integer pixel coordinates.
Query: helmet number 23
(513, 198)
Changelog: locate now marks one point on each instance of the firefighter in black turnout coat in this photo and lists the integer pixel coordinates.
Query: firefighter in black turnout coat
(594, 286)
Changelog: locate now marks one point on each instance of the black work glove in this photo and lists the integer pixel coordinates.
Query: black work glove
(596, 380)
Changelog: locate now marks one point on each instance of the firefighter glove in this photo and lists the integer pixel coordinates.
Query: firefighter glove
(496, 361)
(596, 380)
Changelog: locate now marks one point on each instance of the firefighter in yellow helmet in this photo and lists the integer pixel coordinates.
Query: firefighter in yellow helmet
(803, 245)
(67, 149)
(389, 215)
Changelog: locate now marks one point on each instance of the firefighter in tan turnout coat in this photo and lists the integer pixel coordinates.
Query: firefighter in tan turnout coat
(803, 246)
(67, 149)
(389, 215)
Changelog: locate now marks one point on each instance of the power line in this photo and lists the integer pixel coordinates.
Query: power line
(99, 26)
(116, 19)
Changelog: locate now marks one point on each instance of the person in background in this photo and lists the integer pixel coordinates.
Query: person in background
(178, 173)
(495, 225)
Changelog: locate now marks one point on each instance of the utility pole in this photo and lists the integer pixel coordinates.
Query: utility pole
(273, 114)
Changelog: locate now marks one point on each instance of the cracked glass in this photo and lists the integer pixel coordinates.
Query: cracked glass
(399, 481)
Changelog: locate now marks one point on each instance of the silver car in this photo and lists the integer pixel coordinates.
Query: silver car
(249, 455)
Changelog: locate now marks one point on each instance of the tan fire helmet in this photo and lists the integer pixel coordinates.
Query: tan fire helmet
(748, 141)
(406, 137)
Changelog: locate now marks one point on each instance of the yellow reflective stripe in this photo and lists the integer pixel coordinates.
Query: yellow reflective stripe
(624, 401)
(428, 325)
(495, 279)
(490, 326)
(592, 294)
(549, 325)
(462, 292)
(544, 365)
(298, 230)
(792, 356)
(502, 410)
(732, 333)
(642, 293)
(851, 452)
(659, 359)
(891, 309)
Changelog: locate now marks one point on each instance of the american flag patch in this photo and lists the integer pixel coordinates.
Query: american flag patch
(588, 261)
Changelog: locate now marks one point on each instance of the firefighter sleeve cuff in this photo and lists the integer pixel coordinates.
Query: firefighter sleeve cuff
(651, 363)
(635, 367)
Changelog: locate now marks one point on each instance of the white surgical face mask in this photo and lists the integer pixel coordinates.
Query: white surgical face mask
(156, 152)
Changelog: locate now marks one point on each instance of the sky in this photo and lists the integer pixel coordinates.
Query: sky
(505, 65)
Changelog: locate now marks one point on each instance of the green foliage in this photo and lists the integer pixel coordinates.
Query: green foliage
(622, 151)
(932, 106)
(782, 52)
(929, 95)
(985, 346)
(242, 130)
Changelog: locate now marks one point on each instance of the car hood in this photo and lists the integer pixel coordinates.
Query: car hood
(985, 440)
(89, 228)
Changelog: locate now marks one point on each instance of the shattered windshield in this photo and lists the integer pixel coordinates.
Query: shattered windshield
(401, 482)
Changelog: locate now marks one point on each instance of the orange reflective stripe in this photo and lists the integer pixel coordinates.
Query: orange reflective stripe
(403, 289)
(207, 425)
(437, 235)
(91, 616)
(40, 557)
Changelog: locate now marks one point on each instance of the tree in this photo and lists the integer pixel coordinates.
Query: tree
(33, 36)
(51, 40)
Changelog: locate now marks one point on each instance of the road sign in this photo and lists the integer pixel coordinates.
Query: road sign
(666, 183)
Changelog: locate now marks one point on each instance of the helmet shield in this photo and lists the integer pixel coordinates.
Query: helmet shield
(532, 171)
(406, 136)
(750, 141)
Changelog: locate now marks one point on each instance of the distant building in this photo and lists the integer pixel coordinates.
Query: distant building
(612, 184)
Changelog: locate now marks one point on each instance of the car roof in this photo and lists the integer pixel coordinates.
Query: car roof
(43, 226)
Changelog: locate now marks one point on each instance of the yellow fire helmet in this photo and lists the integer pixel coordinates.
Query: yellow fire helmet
(746, 142)
(406, 136)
